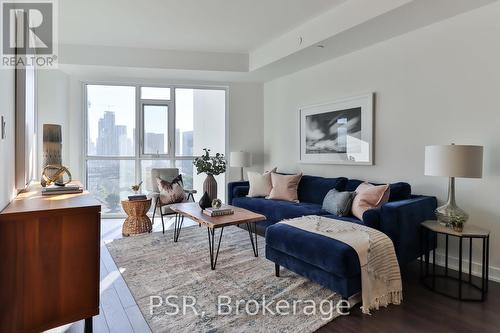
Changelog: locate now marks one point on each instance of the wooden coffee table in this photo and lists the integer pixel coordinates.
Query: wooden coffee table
(241, 216)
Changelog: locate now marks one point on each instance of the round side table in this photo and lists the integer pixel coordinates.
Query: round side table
(137, 221)
(449, 283)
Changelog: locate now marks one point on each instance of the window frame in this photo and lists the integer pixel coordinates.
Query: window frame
(138, 156)
(170, 150)
(155, 86)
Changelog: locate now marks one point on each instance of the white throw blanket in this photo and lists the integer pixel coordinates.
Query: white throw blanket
(380, 275)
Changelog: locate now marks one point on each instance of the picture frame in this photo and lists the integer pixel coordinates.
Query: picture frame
(338, 132)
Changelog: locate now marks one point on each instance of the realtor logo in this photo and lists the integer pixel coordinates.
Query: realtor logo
(29, 33)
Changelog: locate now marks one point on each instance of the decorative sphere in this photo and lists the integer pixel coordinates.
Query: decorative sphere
(216, 203)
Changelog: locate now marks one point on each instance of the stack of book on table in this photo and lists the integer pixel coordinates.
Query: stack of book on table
(137, 197)
(66, 189)
(218, 211)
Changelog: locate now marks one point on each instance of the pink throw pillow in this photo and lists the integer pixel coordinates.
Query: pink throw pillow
(369, 196)
(285, 187)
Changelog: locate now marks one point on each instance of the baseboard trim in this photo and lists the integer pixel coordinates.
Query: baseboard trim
(494, 273)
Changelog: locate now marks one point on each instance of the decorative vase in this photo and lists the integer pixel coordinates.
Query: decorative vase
(210, 187)
(205, 201)
(52, 149)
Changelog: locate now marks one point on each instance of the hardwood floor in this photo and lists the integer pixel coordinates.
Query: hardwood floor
(425, 311)
(421, 311)
(118, 311)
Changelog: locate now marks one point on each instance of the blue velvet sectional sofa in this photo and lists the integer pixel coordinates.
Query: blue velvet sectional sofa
(328, 262)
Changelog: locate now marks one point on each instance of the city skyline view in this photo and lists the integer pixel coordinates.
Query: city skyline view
(112, 118)
(121, 100)
(112, 139)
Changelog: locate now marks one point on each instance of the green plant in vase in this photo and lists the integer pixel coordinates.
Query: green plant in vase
(212, 166)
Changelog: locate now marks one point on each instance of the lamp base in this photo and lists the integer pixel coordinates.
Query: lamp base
(452, 216)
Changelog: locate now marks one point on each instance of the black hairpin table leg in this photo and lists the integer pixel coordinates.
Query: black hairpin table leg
(253, 235)
(214, 254)
(179, 220)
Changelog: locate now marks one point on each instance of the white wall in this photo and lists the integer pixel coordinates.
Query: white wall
(246, 124)
(7, 145)
(209, 125)
(53, 86)
(436, 85)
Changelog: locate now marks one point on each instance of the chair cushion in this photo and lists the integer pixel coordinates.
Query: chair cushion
(163, 173)
(314, 189)
(324, 252)
(166, 210)
(277, 210)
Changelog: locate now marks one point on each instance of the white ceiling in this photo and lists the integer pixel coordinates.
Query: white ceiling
(237, 26)
(231, 40)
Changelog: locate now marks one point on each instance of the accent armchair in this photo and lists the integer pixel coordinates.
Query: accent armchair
(167, 174)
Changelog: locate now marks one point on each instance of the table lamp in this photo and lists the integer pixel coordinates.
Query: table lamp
(453, 161)
(239, 159)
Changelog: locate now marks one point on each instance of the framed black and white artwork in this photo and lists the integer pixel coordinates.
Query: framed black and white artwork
(339, 132)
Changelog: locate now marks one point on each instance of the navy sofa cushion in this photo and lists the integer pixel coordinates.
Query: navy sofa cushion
(399, 191)
(240, 191)
(341, 285)
(329, 254)
(261, 227)
(313, 189)
(277, 210)
(236, 189)
(401, 220)
(349, 218)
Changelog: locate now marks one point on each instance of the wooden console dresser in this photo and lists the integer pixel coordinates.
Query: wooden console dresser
(49, 261)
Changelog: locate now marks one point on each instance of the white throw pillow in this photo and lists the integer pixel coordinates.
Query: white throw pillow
(260, 184)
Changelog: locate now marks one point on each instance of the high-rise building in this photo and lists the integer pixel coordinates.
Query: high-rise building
(187, 143)
(107, 138)
(178, 141)
(154, 143)
(121, 134)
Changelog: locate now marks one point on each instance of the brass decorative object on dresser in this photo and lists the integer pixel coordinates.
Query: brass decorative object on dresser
(54, 174)
(49, 272)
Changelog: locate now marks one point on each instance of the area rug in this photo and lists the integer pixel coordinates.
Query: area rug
(177, 291)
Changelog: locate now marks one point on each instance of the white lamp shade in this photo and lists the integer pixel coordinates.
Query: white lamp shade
(454, 161)
(239, 159)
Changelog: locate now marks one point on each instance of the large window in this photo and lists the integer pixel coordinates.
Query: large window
(111, 120)
(155, 136)
(132, 129)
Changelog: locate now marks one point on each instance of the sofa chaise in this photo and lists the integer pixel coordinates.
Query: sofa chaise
(326, 261)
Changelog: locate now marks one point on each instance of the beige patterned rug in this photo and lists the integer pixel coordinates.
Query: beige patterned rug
(241, 295)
